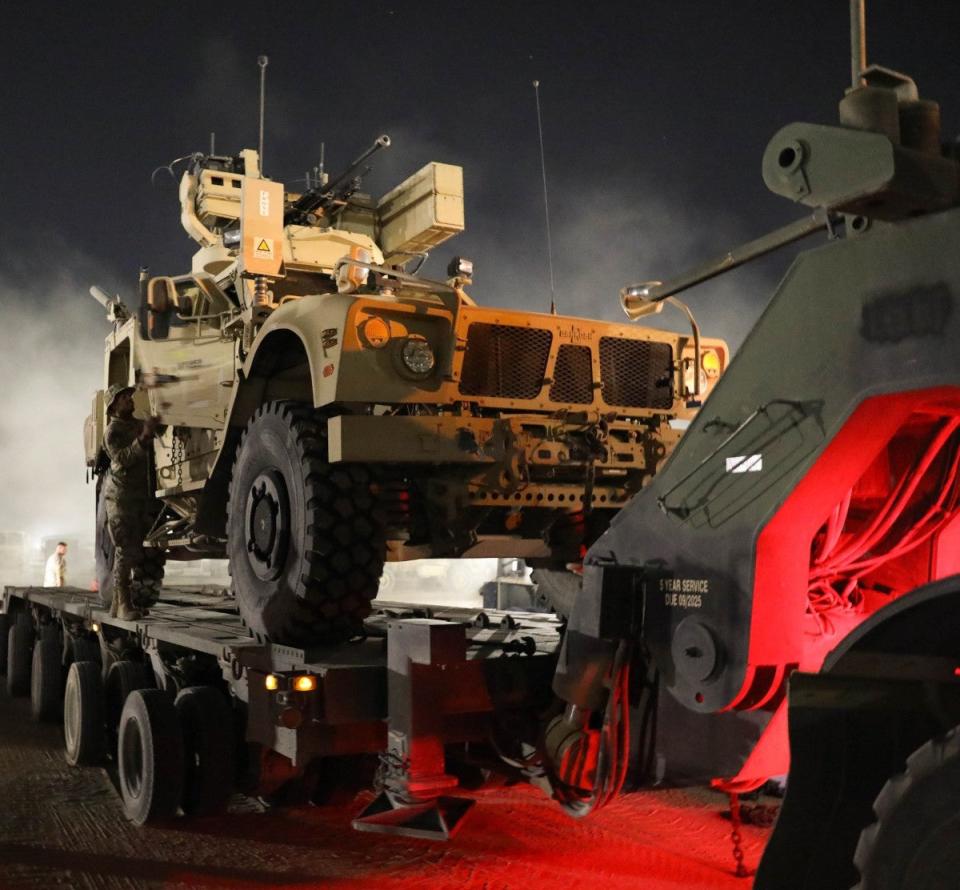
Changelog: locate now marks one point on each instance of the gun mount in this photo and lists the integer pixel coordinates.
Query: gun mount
(320, 200)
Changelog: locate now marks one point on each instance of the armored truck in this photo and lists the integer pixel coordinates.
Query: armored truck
(327, 409)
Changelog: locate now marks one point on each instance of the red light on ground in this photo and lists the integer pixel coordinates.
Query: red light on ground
(956, 672)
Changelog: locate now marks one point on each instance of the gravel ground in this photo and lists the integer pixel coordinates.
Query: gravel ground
(62, 827)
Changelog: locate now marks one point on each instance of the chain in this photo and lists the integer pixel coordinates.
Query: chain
(176, 456)
(741, 870)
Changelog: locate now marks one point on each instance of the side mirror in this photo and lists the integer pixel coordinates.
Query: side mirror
(161, 299)
(634, 298)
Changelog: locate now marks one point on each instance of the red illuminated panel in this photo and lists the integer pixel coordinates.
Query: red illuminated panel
(877, 516)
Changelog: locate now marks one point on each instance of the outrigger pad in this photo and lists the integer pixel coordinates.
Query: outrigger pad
(435, 820)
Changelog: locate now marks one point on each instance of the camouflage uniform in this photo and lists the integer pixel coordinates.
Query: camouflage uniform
(127, 496)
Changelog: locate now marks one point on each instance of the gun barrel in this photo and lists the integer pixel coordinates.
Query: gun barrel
(379, 143)
(322, 195)
(101, 297)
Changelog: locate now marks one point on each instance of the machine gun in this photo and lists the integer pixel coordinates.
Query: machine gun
(116, 310)
(316, 201)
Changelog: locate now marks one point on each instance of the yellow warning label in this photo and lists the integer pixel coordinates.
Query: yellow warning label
(264, 248)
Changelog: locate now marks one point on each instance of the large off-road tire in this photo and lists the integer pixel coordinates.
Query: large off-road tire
(19, 655)
(147, 577)
(46, 676)
(150, 757)
(206, 720)
(305, 538)
(915, 842)
(84, 720)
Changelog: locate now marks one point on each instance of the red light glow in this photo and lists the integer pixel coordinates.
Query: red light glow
(877, 516)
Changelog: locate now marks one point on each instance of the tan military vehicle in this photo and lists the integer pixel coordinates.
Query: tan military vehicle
(327, 409)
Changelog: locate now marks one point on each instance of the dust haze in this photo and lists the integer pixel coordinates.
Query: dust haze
(51, 355)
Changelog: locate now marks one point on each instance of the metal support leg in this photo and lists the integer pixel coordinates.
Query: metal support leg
(413, 777)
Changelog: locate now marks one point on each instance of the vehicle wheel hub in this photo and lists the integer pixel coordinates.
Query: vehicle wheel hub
(268, 525)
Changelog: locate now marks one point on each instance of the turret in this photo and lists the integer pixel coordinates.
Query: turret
(222, 201)
(883, 162)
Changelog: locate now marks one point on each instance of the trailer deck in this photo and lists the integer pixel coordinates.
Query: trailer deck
(419, 680)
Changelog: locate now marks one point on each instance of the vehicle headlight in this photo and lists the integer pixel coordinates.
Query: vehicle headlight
(417, 356)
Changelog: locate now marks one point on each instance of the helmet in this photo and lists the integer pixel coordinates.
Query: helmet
(115, 390)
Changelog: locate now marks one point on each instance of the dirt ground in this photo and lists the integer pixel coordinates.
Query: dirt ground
(62, 827)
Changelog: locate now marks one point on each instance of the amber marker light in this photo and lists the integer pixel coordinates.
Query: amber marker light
(376, 332)
(272, 682)
(95, 627)
(710, 362)
(305, 683)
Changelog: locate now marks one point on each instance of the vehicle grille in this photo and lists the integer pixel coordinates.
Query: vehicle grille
(573, 376)
(636, 373)
(505, 361)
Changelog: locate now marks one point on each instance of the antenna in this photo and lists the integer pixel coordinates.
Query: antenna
(213, 143)
(546, 205)
(858, 42)
(321, 176)
(262, 62)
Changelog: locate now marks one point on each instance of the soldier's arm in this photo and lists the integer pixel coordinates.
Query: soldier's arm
(121, 451)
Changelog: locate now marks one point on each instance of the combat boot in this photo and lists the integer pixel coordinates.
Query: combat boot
(123, 604)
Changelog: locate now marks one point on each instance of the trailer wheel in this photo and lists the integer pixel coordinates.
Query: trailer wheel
(123, 679)
(915, 842)
(4, 631)
(305, 538)
(150, 755)
(46, 677)
(84, 707)
(19, 655)
(206, 720)
(83, 649)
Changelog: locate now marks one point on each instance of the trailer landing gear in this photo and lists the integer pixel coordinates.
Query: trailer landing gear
(422, 654)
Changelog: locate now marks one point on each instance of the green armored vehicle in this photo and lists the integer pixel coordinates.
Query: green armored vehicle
(327, 409)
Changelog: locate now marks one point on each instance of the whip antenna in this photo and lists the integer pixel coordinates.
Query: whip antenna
(546, 205)
(262, 62)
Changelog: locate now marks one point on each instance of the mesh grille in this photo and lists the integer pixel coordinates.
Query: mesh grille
(573, 376)
(505, 361)
(636, 373)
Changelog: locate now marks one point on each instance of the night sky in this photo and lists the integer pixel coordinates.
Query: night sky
(655, 115)
(654, 112)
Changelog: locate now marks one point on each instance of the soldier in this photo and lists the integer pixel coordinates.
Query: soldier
(55, 570)
(126, 492)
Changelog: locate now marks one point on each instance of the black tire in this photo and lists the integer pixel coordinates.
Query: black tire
(206, 720)
(84, 710)
(150, 757)
(83, 649)
(4, 631)
(122, 679)
(147, 577)
(306, 540)
(19, 655)
(915, 842)
(46, 676)
(557, 589)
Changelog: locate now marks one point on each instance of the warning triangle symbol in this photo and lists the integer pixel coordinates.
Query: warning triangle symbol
(262, 245)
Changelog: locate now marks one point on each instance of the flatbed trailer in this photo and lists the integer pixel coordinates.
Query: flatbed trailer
(192, 706)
